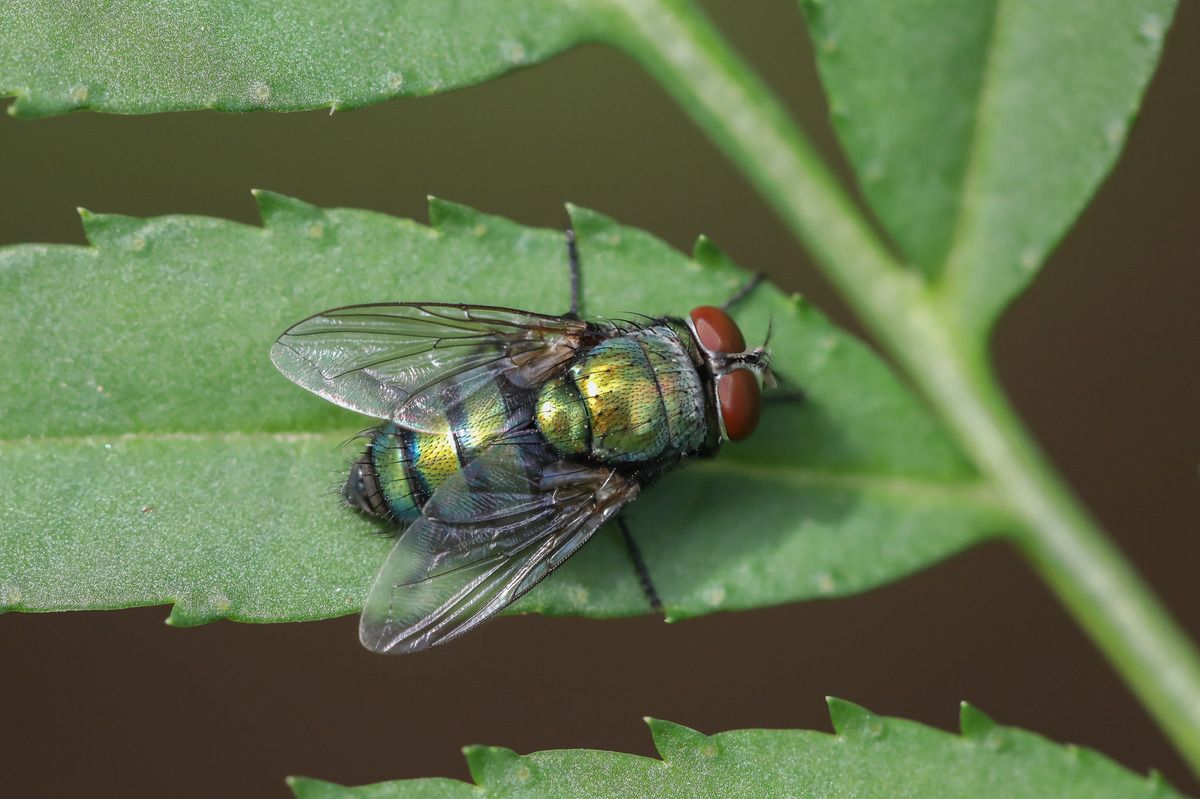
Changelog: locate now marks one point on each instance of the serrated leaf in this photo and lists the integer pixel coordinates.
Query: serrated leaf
(433, 788)
(150, 453)
(869, 756)
(978, 130)
(129, 56)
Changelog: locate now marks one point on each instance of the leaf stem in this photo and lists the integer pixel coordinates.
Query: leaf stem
(1084, 567)
(674, 42)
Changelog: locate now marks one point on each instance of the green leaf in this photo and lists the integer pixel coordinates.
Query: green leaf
(869, 756)
(979, 130)
(130, 56)
(150, 453)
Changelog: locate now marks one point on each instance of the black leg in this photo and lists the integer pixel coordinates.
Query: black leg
(784, 398)
(573, 260)
(635, 555)
(743, 292)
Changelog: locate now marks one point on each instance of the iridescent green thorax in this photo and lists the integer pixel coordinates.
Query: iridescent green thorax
(562, 417)
(633, 398)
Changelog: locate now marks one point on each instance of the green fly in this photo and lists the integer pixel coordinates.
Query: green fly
(510, 437)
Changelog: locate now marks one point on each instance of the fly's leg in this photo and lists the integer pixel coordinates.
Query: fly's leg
(635, 555)
(573, 261)
(744, 291)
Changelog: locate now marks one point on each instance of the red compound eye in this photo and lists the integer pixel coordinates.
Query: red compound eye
(740, 403)
(738, 396)
(717, 331)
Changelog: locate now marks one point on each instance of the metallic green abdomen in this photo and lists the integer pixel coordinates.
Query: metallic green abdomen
(412, 464)
(634, 398)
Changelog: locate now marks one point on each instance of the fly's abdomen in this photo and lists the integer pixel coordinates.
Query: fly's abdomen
(402, 468)
(410, 465)
(633, 398)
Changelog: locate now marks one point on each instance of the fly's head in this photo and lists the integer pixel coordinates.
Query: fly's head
(738, 372)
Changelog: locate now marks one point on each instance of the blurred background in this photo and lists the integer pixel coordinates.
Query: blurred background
(1100, 357)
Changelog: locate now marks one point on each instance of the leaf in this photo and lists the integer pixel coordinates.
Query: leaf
(869, 756)
(150, 453)
(129, 56)
(979, 130)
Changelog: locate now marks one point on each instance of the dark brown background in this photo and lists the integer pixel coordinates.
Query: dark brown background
(1100, 357)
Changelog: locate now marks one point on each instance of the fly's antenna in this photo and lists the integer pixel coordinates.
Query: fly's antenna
(759, 358)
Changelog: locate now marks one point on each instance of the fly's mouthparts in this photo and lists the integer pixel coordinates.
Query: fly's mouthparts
(757, 360)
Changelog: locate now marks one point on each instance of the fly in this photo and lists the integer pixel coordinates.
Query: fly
(510, 437)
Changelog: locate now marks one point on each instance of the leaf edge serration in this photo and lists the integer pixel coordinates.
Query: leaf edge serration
(685, 752)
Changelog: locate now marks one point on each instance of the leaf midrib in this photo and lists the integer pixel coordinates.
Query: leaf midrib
(971, 492)
(158, 435)
(949, 275)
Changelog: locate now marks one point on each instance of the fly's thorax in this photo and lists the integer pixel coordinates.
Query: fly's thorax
(562, 417)
(632, 398)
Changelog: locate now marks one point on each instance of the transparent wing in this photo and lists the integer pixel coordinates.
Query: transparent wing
(488, 535)
(387, 360)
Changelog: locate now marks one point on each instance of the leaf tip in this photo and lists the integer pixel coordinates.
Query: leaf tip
(302, 787)
(709, 255)
(23, 106)
(1157, 785)
(672, 614)
(278, 210)
(491, 765)
(978, 727)
(87, 219)
(853, 721)
(444, 214)
(673, 741)
(105, 230)
(437, 205)
(193, 615)
(589, 223)
(973, 722)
